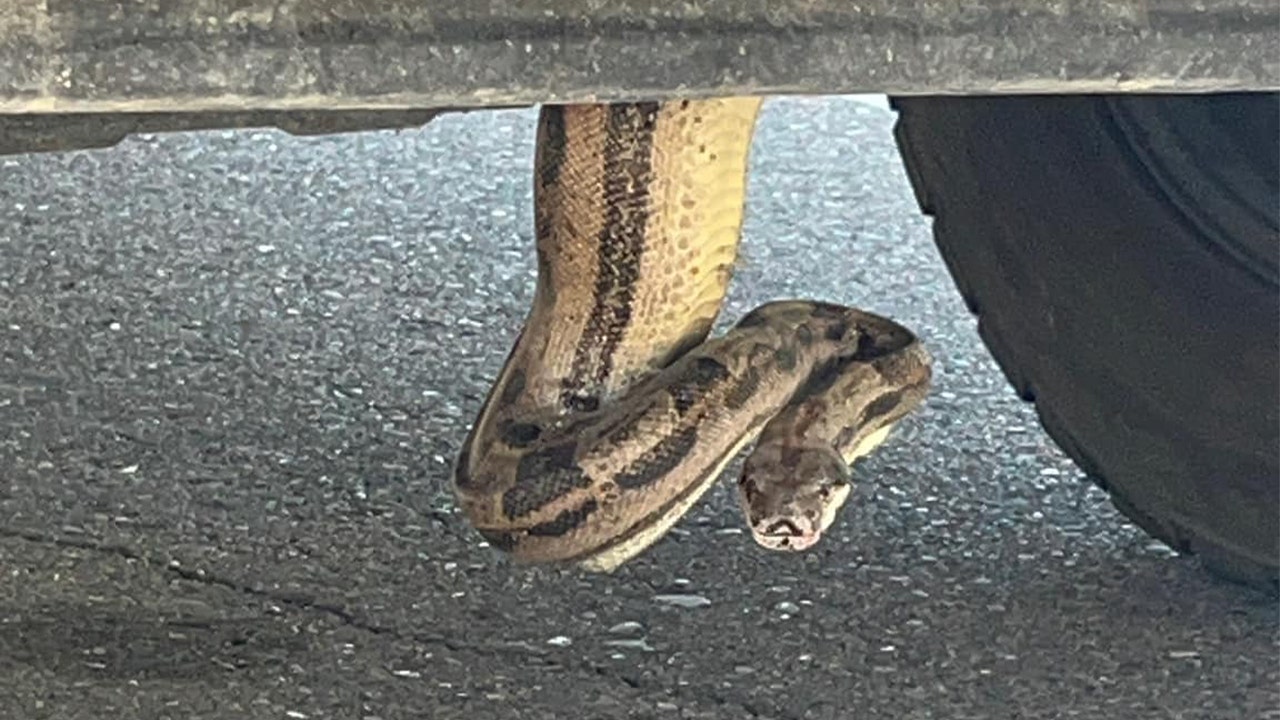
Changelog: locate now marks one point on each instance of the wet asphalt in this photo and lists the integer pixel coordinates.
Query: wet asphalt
(235, 368)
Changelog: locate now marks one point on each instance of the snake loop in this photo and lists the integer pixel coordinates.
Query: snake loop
(614, 412)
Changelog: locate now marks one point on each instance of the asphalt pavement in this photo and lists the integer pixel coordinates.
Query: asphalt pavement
(235, 368)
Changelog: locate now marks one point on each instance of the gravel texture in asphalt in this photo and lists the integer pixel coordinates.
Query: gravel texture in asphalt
(235, 368)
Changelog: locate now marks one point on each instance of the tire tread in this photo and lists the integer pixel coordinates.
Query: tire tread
(1224, 558)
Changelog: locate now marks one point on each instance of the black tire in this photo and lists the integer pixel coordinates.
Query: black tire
(1122, 254)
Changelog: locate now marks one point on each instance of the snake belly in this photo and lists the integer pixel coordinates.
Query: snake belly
(614, 412)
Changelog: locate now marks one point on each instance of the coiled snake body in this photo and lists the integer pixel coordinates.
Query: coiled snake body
(614, 412)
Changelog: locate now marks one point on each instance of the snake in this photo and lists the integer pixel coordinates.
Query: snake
(615, 410)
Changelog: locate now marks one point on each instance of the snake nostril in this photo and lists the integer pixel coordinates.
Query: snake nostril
(782, 527)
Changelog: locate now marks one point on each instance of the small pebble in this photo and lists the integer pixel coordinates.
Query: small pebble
(682, 601)
(630, 644)
(630, 627)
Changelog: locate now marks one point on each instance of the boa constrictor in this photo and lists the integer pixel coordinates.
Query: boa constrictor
(614, 412)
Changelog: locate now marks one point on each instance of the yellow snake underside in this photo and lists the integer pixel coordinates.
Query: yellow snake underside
(614, 412)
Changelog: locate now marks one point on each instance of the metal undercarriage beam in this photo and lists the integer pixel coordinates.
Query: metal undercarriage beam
(95, 56)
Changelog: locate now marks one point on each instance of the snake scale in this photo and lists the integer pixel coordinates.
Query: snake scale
(614, 412)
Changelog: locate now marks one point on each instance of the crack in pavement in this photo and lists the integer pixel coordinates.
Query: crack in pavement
(205, 578)
(350, 619)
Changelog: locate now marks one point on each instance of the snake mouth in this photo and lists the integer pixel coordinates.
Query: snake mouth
(784, 534)
(782, 528)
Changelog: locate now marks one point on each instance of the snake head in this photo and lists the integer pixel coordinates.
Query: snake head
(791, 494)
